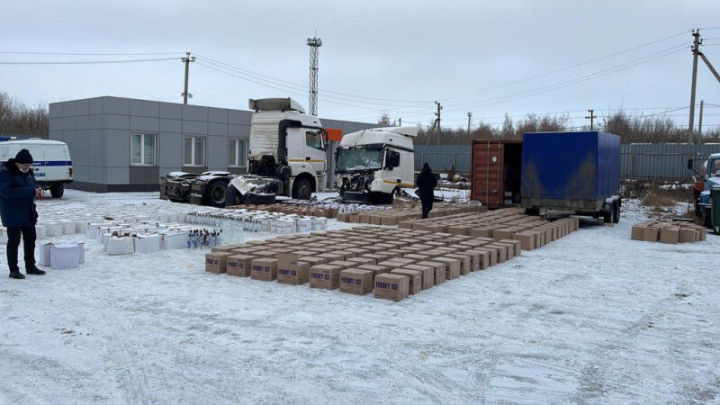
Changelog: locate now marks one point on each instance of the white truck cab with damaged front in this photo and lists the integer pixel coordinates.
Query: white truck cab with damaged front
(287, 152)
(373, 164)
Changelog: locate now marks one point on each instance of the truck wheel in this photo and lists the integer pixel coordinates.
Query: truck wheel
(609, 216)
(232, 197)
(260, 198)
(616, 213)
(216, 194)
(57, 190)
(302, 189)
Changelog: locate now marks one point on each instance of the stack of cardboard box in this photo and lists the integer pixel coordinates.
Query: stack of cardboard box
(508, 223)
(403, 212)
(668, 232)
(391, 262)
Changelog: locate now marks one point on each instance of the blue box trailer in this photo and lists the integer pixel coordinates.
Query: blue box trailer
(576, 172)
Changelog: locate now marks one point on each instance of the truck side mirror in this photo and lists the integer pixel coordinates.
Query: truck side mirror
(690, 164)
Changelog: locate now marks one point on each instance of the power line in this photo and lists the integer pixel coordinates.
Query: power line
(87, 62)
(574, 65)
(87, 53)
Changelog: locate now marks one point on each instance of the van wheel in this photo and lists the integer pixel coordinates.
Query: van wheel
(57, 190)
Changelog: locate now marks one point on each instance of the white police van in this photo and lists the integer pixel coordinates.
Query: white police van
(51, 162)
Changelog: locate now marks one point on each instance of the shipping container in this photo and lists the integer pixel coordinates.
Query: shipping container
(496, 171)
(571, 171)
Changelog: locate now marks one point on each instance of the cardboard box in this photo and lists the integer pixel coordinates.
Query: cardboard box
(313, 260)
(390, 286)
(651, 234)
(374, 268)
(465, 262)
(452, 271)
(670, 234)
(516, 245)
(438, 267)
(500, 251)
(264, 269)
(688, 235)
(428, 274)
(414, 279)
(356, 281)
(216, 262)
(344, 264)
(239, 265)
(483, 258)
(295, 273)
(326, 276)
(527, 240)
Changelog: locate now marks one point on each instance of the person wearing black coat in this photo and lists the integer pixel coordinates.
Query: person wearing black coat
(426, 183)
(18, 191)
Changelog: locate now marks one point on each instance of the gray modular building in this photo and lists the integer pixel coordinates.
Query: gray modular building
(123, 144)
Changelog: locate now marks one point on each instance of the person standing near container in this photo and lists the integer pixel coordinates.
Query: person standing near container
(426, 183)
(18, 191)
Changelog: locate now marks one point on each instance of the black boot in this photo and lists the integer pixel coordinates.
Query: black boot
(16, 275)
(34, 270)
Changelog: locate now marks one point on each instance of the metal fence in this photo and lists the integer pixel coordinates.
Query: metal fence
(442, 157)
(661, 161)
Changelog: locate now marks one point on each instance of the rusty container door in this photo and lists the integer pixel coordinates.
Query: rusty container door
(487, 173)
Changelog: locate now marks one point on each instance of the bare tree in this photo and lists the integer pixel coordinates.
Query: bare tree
(16, 118)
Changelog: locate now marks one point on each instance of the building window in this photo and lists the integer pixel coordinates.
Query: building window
(142, 149)
(237, 153)
(194, 151)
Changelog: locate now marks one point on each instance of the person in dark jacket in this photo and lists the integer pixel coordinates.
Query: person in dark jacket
(18, 191)
(426, 183)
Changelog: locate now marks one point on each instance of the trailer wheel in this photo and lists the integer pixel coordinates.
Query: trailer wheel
(232, 196)
(57, 190)
(302, 189)
(216, 194)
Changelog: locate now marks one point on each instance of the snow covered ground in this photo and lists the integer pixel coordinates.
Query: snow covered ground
(591, 318)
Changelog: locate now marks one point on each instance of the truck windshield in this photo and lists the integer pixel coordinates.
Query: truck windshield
(359, 159)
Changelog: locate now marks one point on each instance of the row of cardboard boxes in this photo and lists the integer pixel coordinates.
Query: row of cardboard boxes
(668, 232)
(393, 263)
(407, 212)
(509, 223)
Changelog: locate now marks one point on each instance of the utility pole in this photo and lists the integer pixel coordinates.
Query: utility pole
(186, 60)
(314, 43)
(591, 117)
(696, 52)
(700, 122)
(436, 124)
(469, 118)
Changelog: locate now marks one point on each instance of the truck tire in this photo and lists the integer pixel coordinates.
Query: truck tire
(216, 194)
(302, 189)
(232, 197)
(609, 216)
(260, 198)
(57, 190)
(616, 211)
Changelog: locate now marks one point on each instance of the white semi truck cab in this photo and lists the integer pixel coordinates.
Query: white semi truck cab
(286, 154)
(374, 164)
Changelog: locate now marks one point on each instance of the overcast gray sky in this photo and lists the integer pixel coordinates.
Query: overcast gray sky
(484, 57)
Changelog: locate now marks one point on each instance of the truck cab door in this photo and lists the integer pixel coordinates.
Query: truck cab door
(315, 149)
